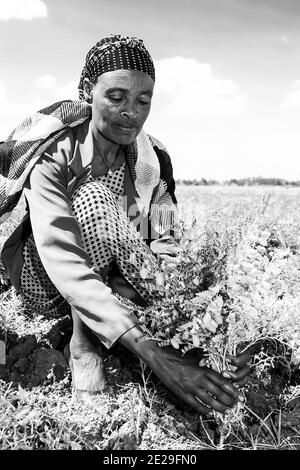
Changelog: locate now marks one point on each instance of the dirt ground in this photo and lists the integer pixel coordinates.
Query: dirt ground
(35, 357)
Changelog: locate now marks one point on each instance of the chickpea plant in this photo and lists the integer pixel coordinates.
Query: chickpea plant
(224, 293)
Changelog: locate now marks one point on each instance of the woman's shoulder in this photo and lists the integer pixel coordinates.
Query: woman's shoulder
(162, 154)
(64, 145)
(157, 144)
(163, 157)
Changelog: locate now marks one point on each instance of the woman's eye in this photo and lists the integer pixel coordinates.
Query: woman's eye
(116, 98)
(144, 102)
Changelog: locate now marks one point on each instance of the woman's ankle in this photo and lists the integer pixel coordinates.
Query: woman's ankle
(80, 346)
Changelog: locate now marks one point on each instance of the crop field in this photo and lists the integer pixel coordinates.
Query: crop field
(238, 282)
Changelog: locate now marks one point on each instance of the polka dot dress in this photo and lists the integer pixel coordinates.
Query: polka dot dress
(107, 236)
(113, 181)
(92, 205)
(38, 292)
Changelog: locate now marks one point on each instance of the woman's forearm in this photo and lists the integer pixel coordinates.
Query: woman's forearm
(146, 350)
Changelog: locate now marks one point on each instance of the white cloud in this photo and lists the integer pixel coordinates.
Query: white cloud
(48, 91)
(284, 39)
(190, 110)
(46, 81)
(189, 88)
(22, 9)
(44, 93)
(66, 92)
(13, 112)
(43, 97)
(295, 85)
(2, 92)
(292, 100)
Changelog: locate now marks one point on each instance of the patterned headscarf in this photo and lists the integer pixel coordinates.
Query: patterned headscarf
(114, 53)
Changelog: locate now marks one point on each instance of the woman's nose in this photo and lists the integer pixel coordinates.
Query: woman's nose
(126, 114)
(129, 112)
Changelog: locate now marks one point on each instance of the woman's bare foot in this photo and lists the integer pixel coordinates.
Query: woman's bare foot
(87, 368)
(84, 355)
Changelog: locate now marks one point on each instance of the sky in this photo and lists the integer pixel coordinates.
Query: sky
(227, 95)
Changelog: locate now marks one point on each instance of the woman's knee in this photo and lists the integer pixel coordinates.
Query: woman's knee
(95, 208)
(92, 196)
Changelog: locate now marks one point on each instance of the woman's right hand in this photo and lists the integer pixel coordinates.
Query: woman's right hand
(200, 387)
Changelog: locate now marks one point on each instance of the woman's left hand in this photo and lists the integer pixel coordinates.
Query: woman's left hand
(242, 363)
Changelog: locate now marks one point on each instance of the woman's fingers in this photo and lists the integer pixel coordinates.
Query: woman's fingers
(242, 383)
(238, 375)
(241, 360)
(212, 401)
(245, 357)
(223, 397)
(225, 385)
(213, 390)
(168, 257)
(195, 403)
(242, 363)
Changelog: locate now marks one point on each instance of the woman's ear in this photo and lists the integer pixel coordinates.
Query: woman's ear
(88, 90)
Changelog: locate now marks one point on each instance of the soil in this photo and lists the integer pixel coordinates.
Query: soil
(36, 359)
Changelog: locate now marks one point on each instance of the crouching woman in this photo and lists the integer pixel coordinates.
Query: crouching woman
(99, 189)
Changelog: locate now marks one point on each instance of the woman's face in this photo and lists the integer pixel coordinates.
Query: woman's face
(121, 102)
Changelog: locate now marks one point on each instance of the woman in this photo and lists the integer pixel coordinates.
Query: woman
(98, 189)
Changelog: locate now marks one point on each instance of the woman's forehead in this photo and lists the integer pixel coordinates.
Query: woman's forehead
(127, 79)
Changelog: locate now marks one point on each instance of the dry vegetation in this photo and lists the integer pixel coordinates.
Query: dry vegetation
(40, 411)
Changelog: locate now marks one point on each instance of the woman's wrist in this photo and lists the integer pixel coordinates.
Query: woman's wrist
(145, 349)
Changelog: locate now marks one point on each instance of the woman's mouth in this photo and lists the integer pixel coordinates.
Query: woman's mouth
(125, 128)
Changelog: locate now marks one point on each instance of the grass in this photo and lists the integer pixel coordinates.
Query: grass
(135, 411)
(130, 416)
